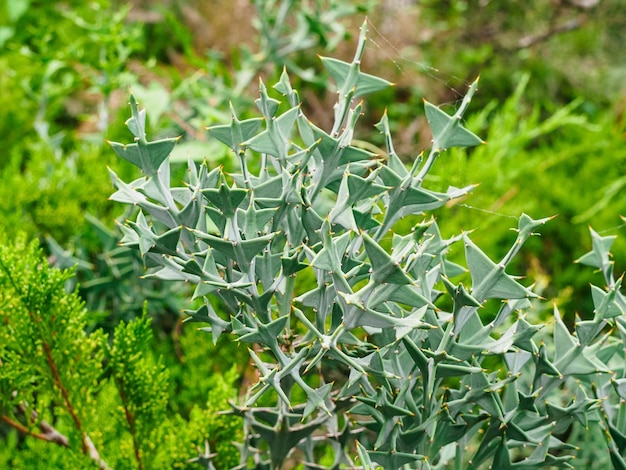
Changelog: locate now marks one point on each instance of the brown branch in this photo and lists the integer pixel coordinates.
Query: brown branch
(131, 422)
(66, 396)
(570, 25)
(49, 434)
(88, 447)
(46, 427)
(178, 331)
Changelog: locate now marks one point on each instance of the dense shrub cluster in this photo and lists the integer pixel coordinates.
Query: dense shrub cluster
(364, 337)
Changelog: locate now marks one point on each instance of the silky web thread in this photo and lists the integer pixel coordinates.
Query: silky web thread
(435, 74)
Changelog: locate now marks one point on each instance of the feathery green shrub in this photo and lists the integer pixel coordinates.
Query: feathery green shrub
(90, 400)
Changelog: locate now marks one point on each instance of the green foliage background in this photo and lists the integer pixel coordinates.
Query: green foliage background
(552, 112)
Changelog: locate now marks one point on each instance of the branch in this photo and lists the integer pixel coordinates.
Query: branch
(88, 447)
(130, 419)
(570, 25)
(93, 453)
(49, 434)
(64, 393)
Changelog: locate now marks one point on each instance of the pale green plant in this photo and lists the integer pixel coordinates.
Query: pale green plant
(367, 352)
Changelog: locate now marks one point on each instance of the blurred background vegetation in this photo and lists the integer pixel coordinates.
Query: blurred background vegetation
(551, 106)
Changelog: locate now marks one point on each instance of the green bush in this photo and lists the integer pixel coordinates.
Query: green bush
(87, 399)
(59, 98)
(63, 60)
(382, 359)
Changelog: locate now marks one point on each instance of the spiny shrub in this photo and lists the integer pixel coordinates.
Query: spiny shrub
(367, 349)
